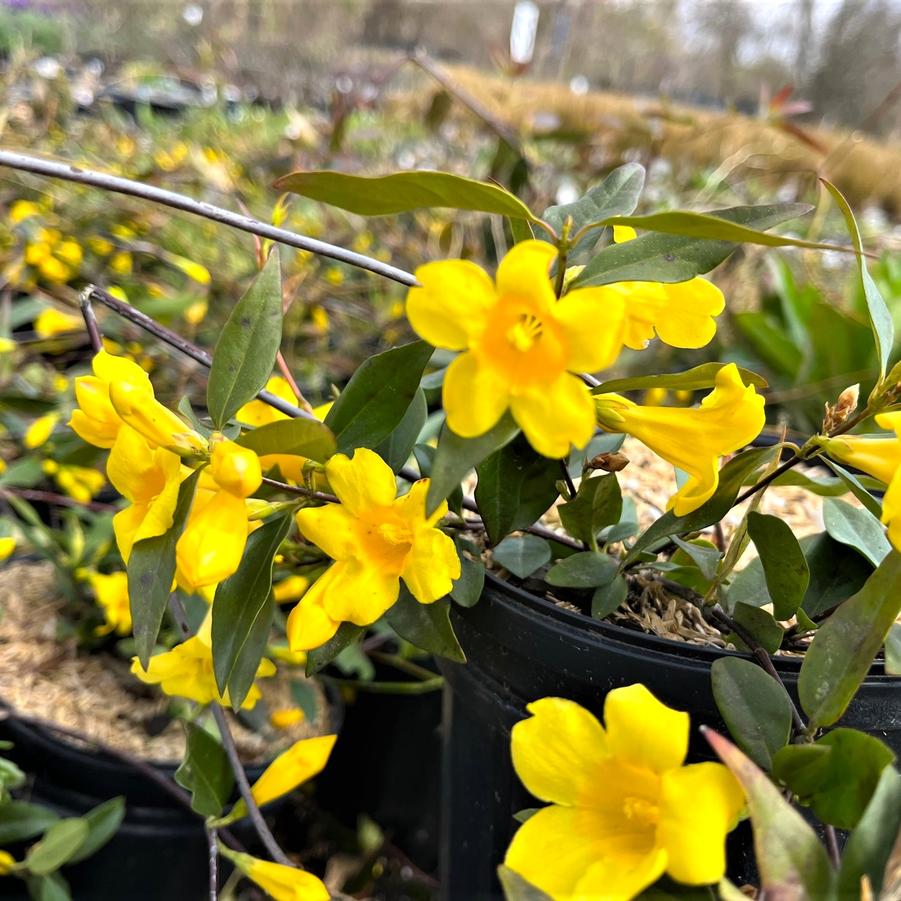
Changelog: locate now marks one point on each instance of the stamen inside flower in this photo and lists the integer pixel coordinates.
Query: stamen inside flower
(525, 332)
(641, 811)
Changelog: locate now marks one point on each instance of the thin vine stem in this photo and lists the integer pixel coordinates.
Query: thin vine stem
(213, 847)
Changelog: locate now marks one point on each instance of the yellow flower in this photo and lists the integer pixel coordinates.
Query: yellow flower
(376, 539)
(284, 654)
(7, 345)
(100, 245)
(291, 589)
(54, 270)
(40, 430)
(81, 483)
(120, 262)
(286, 717)
(279, 881)
(52, 322)
(881, 458)
(187, 671)
(136, 405)
(111, 593)
(7, 862)
(196, 312)
(623, 808)
(69, 252)
(693, 440)
(23, 209)
(7, 546)
(520, 346)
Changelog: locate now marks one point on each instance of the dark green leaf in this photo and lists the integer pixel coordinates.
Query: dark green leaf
(703, 376)
(516, 888)
(24, 473)
(846, 644)
(403, 191)
(516, 486)
(705, 555)
(424, 454)
(378, 396)
(761, 625)
(425, 625)
(303, 437)
(205, 772)
(893, 650)
(304, 696)
(322, 656)
(855, 485)
(880, 317)
(836, 776)
(870, 844)
(587, 569)
(151, 569)
(857, 528)
(677, 258)
(395, 450)
(598, 503)
(456, 456)
(59, 844)
(609, 597)
(783, 562)
(836, 572)
(353, 661)
(754, 706)
(103, 823)
(522, 554)
(51, 887)
(245, 352)
(242, 613)
(20, 820)
(525, 814)
(468, 588)
(792, 862)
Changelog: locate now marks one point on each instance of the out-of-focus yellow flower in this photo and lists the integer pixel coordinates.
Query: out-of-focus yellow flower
(623, 808)
(655, 397)
(2, 466)
(69, 252)
(320, 318)
(196, 312)
(111, 593)
(376, 539)
(286, 717)
(37, 253)
(520, 345)
(362, 242)
(81, 483)
(39, 431)
(881, 458)
(280, 882)
(100, 245)
(7, 345)
(187, 671)
(7, 546)
(22, 210)
(121, 262)
(7, 861)
(694, 439)
(334, 275)
(291, 589)
(55, 270)
(284, 654)
(60, 383)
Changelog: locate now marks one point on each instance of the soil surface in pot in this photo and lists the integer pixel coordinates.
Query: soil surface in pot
(94, 694)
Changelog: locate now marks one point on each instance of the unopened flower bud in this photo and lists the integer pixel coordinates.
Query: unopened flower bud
(615, 462)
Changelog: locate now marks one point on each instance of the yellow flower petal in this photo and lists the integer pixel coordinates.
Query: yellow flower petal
(593, 323)
(623, 233)
(525, 272)
(431, 566)
(700, 804)
(52, 322)
(212, 544)
(235, 469)
(688, 318)
(301, 762)
(643, 731)
(39, 431)
(7, 546)
(147, 416)
(450, 307)
(284, 883)
(362, 481)
(357, 593)
(309, 626)
(331, 528)
(559, 751)
(623, 877)
(555, 418)
(475, 396)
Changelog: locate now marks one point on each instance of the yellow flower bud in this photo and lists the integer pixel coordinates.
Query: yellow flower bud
(286, 717)
(234, 468)
(40, 430)
(136, 405)
(7, 546)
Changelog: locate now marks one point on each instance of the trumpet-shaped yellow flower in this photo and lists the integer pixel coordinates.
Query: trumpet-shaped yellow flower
(520, 346)
(880, 458)
(40, 430)
(52, 322)
(693, 440)
(7, 546)
(623, 808)
(155, 422)
(187, 671)
(376, 539)
(280, 882)
(111, 593)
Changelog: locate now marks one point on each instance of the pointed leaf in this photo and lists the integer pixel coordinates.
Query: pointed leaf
(103, 823)
(854, 485)
(59, 844)
(395, 450)
(522, 554)
(205, 772)
(468, 588)
(587, 569)
(696, 379)
(609, 597)
(598, 503)
(425, 625)
(784, 566)
(517, 889)
(857, 528)
(302, 437)
(348, 634)
(21, 820)
(52, 887)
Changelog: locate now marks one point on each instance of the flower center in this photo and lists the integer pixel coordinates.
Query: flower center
(641, 811)
(525, 332)
(395, 533)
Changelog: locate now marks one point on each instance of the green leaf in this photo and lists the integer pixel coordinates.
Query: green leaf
(847, 643)
(59, 844)
(151, 569)
(242, 613)
(51, 887)
(302, 437)
(784, 566)
(103, 823)
(836, 776)
(879, 315)
(586, 569)
(427, 626)
(792, 862)
(522, 554)
(705, 555)
(322, 656)
(516, 888)
(893, 650)
(303, 694)
(754, 706)
(732, 477)
(401, 192)
(516, 486)
(836, 572)
(395, 450)
(869, 846)
(609, 597)
(378, 396)
(598, 503)
(696, 379)
(857, 528)
(677, 258)
(456, 456)
(468, 588)
(424, 454)
(616, 195)
(205, 772)
(245, 352)
(855, 485)
(760, 624)
(20, 820)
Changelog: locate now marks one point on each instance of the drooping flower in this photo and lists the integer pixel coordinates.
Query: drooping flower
(879, 457)
(624, 809)
(376, 539)
(187, 671)
(111, 593)
(520, 346)
(280, 882)
(692, 439)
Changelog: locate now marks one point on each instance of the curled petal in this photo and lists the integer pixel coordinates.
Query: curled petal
(212, 544)
(358, 593)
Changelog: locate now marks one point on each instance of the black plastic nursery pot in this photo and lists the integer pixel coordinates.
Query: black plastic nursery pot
(521, 647)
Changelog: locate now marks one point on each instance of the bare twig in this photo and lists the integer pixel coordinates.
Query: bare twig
(214, 862)
(303, 492)
(58, 500)
(90, 322)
